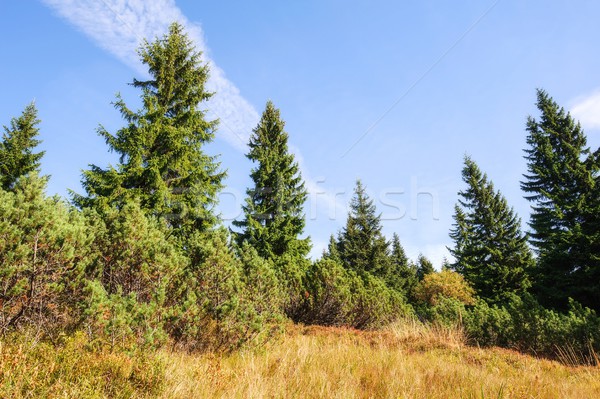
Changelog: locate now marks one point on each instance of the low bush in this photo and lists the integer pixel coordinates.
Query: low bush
(43, 255)
(339, 297)
(523, 324)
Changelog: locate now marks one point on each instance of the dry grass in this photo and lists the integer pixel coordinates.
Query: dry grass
(30, 369)
(407, 360)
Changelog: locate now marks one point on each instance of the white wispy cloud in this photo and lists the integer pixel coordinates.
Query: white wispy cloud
(586, 109)
(120, 26)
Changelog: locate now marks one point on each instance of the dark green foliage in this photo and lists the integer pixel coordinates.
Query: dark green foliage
(17, 158)
(562, 185)
(161, 161)
(332, 250)
(225, 302)
(273, 214)
(423, 267)
(290, 270)
(133, 277)
(362, 246)
(43, 255)
(490, 250)
(401, 275)
(328, 295)
(262, 287)
(358, 282)
(525, 325)
(341, 297)
(209, 294)
(374, 303)
(133, 254)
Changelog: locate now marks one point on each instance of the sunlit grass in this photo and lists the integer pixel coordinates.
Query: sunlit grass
(406, 360)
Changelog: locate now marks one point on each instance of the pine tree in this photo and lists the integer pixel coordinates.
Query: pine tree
(423, 267)
(332, 250)
(273, 214)
(161, 160)
(362, 246)
(401, 275)
(17, 158)
(562, 185)
(490, 250)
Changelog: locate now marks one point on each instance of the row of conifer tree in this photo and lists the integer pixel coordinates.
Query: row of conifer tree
(141, 258)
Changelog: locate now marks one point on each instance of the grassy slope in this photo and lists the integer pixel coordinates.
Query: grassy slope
(406, 361)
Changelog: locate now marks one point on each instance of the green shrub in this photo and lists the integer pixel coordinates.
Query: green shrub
(132, 279)
(448, 312)
(525, 325)
(337, 296)
(327, 296)
(218, 309)
(374, 304)
(43, 254)
(262, 289)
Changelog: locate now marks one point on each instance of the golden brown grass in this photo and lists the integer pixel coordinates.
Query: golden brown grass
(407, 360)
(30, 369)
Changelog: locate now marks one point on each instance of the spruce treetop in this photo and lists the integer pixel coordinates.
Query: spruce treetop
(161, 157)
(17, 156)
(362, 246)
(273, 213)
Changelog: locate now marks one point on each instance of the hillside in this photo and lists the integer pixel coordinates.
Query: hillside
(406, 360)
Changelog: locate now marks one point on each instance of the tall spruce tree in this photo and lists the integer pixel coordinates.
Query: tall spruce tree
(362, 246)
(161, 160)
(17, 156)
(562, 184)
(490, 250)
(273, 214)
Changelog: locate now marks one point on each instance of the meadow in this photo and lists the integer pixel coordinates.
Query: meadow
(405, 360)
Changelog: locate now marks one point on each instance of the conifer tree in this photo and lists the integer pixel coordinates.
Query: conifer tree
(332, 250)
(398, 255)
(273, 214)
(490, 250)
(401, 274)
(424, 267)
(17, 158)
(562, 185)
(161, 160)
(362, 246)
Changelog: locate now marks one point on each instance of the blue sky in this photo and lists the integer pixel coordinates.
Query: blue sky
(393, 93)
